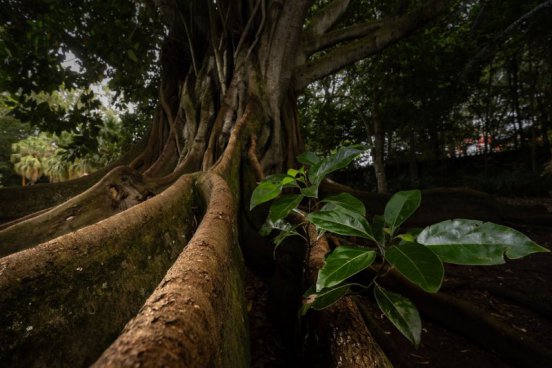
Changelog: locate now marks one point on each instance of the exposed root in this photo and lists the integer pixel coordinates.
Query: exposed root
(384, 340)
(119, 190)
(253, 160)
(339, 331)
(24, 218)
(18, 202)
(533, 302)
(195, 317)
(444, 204)
(465, 318)
(228, 160)
(67, 299)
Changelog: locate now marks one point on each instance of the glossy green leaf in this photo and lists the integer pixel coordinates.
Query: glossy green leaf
(341, 222)
(342, 158)
(347, 201)
(407, 238)
(282, 206)
(311, 191)
(343, 263)
(418, 264)
(281, 179)
(270, 225)
(264, 192)
(400, 207)
(278, 239)
(401, 312)
(292, 172)
(308, 158)
(472, 242)
(378, 228)
(325, 298)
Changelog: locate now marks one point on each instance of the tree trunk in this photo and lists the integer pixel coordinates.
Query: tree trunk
(378, 147)
(514, 95)
(94, 252)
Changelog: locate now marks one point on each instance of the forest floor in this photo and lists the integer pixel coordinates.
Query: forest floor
(495, 290)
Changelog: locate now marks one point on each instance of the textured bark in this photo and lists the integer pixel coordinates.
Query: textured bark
(67, 299)
(342, 338)
(120, 189)
(228, 112)
(196, 316)
(21, 201)
(368, 45)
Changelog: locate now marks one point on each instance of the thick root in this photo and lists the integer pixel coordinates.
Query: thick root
(121, 189)
(444, 204)
(18, 202)
(63, 302)
(466, 319)
(196, 317)
(340, 335)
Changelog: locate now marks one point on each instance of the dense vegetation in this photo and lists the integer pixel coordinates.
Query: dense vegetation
(133, 134)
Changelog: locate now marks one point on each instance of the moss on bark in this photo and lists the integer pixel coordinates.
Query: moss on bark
(196, 317)
(64, 301)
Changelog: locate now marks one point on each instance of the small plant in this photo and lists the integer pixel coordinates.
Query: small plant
(416, 255)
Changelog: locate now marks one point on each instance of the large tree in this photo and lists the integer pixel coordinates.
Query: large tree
(84, 254)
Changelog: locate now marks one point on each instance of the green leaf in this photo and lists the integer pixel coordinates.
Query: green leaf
(285, 228)
(378, 228)
(343, 263)
(292, 172)
(308, 158)
(418, 264)
(407, 238)
(342, 158)
(325, 298)
(279, 239)
(311, 191)
(347, 201)
(132, 55)
(401, 312)
(264, 192)
(283, 205)
(270, 225)
(281, 179)
(282, 236)
(472, 242)
(400, 207)
(341, 222)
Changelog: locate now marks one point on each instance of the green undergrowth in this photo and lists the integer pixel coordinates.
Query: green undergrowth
(382, 245)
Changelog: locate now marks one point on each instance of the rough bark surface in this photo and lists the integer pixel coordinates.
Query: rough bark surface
(342, 338)
(117, 191)
(75, 274)
(198, 305)
(64, 301)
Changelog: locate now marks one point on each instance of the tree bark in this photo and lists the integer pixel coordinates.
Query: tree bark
(341, 336)
(378, 150)
(66, 291)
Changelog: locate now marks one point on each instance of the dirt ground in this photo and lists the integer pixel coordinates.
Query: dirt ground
(518, 293)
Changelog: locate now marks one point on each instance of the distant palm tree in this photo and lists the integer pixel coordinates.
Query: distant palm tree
(29, 167)
(55, 167)
(28, 155)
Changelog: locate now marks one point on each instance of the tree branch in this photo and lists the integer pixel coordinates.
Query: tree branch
(312, 45)
(389, 33)
(325, 18)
